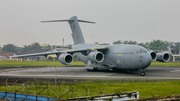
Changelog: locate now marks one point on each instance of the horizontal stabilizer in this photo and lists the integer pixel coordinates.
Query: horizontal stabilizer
(69, 21)
(86, 21)
(57, 21)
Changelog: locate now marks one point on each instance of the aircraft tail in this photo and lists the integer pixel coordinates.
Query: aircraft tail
(75, 28)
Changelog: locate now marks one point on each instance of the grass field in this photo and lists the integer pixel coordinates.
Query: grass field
(34, 63)
(146, 89)
(162, 88)
(168, 64)
(56, 63)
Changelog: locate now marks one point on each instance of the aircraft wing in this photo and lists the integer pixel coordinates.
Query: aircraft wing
(34, 54)
(86, 51)
(82, 50)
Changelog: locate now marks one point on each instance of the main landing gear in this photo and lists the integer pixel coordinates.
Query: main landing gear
(94, 69)
(142, 73)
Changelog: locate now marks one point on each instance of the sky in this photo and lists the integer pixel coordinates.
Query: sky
(136, 20)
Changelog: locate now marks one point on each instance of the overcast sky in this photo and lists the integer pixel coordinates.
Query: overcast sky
(137, 20)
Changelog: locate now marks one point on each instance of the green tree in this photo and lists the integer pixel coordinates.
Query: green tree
(9, 48)
(145, 45)
(58, 47)
(29, 47)
(118, 42)
(46, 48)
(36, 46)
(124, 42)
(26, 48)
(158, 45)
(129, 42)
(177, 44)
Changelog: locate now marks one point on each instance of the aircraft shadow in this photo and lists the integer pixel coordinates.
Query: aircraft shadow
(118, 72)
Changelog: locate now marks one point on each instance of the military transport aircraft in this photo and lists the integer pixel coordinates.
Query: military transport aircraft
(104, 57)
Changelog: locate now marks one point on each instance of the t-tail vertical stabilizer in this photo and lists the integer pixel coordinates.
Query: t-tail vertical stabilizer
(75, 28)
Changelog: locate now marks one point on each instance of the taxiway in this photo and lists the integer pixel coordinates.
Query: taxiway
(71, 73)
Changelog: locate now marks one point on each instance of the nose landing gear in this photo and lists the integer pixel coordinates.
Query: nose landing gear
(142, 73)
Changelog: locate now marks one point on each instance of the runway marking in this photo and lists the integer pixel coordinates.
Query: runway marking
(175, 71)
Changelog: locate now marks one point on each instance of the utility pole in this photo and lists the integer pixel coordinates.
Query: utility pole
(63, 41)
(6, 52)
(55, 78)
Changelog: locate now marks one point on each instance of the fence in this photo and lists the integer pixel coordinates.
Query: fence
(38, 91)
(13, 89)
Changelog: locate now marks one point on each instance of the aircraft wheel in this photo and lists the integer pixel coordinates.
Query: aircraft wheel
(94, 69)
(142, 73)
(114, 69)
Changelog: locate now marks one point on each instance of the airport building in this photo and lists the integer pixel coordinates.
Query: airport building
(7, 54)
(175, 51)
(176, 54)
(2, 57)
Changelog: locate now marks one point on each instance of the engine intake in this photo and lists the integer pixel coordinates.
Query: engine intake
(153, 55)
(65, 59)
(96, 56)
(163, 57)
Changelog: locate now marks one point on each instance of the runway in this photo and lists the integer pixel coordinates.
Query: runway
(72, 73)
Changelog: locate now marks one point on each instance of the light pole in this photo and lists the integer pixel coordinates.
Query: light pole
(55, 77)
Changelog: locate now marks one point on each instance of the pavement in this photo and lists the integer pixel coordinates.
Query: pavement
(72, 73)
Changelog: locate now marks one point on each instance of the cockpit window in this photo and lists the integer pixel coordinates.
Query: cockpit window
(144, 52)
(139, 52)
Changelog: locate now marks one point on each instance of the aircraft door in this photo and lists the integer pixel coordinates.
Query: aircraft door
(128, 63)
(141, 60)
(119, 63)
(122, 63)
(125, 62)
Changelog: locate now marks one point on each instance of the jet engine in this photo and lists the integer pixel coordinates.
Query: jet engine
(153, 55)
(65, 59)
(96, 56)
(163, 57)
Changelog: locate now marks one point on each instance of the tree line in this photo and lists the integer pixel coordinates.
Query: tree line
(153, 45)
(36, 46)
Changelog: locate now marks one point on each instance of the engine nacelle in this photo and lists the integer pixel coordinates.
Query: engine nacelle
(96, 56)
(65, 59)
(153, 55)
(163, 57)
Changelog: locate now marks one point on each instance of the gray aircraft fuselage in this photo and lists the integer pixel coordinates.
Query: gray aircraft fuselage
(120, 56)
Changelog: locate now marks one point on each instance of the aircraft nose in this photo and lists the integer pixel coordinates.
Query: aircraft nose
(147, 60)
